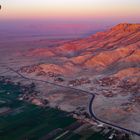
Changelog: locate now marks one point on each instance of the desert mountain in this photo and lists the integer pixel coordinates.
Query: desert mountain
(112, 52)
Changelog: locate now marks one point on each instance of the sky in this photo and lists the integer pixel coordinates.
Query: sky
(71, 9)
(67, 17)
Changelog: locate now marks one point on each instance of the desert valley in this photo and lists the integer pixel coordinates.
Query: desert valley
(95, 75)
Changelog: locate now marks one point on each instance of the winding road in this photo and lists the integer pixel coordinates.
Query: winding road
(90, 107)
(91, 111)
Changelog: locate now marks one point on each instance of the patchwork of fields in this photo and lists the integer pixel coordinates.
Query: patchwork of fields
(20, 120)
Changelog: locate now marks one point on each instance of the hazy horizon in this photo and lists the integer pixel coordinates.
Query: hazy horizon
(55, 28)
(71, 18)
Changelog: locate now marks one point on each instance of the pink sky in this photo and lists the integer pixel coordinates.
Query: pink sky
(78, 17)
(70, 9)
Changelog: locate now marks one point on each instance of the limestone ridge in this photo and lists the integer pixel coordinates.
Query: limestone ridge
(126, 27)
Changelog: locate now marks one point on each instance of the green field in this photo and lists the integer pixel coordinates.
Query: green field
(25, 121)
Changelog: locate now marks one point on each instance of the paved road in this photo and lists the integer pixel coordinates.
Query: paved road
(91, 111)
